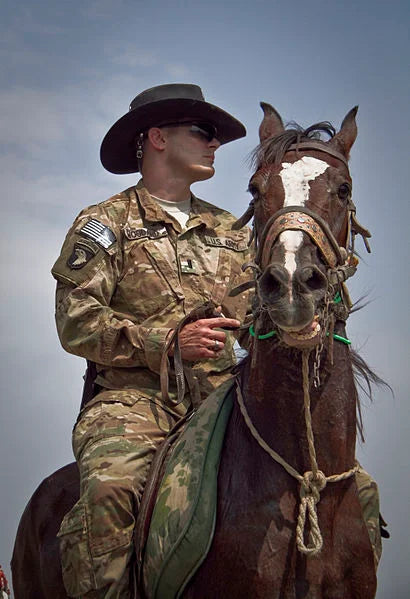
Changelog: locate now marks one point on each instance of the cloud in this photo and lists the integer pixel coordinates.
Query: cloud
(133, 57)
(24, 18)
(102, 9)
(34, 118)
(177, 70)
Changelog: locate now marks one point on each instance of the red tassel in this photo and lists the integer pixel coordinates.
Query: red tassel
(4, 585)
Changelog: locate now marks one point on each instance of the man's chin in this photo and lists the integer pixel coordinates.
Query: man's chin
(201, 172)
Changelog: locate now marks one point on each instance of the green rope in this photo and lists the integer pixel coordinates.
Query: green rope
(340, 338)
(273, 333)
(265, 336)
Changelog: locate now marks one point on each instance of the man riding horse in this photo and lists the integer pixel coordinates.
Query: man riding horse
(132, 273)
(132, 268)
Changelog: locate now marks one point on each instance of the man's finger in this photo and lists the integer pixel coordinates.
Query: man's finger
(220, 323)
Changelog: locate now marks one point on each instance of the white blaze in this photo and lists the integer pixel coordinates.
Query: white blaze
(295, 179)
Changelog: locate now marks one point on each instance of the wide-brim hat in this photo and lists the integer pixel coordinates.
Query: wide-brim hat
(174, 102)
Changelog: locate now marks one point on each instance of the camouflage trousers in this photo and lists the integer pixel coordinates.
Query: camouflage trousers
(114, 443)
(370, 504)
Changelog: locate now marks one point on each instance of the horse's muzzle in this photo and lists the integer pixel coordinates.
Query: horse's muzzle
(292, 301)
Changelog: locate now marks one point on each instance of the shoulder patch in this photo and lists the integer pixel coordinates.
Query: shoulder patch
(80, 255)
(101, 234)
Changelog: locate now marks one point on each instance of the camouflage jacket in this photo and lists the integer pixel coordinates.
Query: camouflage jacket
(127, 275)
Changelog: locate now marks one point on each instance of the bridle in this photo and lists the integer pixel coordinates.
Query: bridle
(297, 218)
(340, 260)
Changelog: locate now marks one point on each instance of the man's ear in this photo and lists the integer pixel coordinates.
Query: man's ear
(157, 137)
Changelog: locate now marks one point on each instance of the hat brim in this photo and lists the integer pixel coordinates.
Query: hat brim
(118, 148)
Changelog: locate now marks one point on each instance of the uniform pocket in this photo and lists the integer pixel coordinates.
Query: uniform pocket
(113, 542)
(75, 555)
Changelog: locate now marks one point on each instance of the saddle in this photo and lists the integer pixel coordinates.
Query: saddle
(177, 515)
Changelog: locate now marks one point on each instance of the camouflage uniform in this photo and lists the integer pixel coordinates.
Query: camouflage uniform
(126, 276)
(370, 504)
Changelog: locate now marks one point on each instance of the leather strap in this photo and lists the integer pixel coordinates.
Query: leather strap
(300, 219)
(182, 373)
(320, 147)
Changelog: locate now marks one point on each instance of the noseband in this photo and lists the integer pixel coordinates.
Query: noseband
(297, 218)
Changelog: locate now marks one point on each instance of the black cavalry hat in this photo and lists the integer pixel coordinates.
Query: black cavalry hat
(158, 106)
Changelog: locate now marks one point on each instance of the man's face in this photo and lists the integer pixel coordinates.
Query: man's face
(189, 152)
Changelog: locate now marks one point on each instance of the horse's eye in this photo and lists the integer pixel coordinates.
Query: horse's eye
(254, 191)
(344, 191)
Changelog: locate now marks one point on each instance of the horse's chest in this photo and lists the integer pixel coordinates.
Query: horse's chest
(254, 551)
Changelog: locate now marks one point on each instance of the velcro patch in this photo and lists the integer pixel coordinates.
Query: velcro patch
(188, 266)
(99, 233)
(80, 255)
(141, 232)
(225, 242)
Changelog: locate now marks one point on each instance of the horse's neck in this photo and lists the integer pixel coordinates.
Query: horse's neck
(275, 401)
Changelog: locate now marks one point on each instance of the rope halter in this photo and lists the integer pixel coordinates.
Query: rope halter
(312, 482)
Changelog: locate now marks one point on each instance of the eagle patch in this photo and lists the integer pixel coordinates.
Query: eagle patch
(80, 256)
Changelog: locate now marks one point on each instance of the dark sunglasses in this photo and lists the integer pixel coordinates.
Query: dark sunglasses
(206, 130)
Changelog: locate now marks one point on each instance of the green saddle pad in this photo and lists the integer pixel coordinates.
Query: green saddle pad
(183, 519)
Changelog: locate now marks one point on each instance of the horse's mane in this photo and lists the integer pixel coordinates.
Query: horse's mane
(365, 380)
(272, 150)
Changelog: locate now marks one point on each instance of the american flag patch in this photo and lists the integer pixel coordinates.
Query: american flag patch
(98, 233)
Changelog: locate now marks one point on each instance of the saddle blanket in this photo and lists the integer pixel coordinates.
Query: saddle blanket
(183, 519)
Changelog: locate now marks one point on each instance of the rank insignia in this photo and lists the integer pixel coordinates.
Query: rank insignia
(99, 233)
(80, 256)
(188, 266)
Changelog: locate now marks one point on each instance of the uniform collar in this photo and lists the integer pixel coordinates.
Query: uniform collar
(201, 212)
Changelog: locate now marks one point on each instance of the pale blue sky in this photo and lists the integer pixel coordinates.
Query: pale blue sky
(69, 70)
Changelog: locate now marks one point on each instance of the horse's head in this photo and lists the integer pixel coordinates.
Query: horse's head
(304, 222)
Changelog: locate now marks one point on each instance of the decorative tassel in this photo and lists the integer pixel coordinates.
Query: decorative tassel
(4, 585)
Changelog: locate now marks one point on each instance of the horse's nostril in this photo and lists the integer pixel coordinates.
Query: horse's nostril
(273, 283)
(312, 278)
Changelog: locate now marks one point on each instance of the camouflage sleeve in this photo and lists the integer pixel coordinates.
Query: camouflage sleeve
(243, 336)
(87, 271)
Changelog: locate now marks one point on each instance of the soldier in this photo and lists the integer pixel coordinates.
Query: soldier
(131, 268)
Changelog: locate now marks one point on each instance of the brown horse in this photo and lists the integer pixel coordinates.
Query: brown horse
(292, 529)
(294, 405)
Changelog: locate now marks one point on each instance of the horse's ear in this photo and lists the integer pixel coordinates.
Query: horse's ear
(272, 123)
(345, 138)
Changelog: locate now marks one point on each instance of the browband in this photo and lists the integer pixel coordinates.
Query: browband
(320, 146)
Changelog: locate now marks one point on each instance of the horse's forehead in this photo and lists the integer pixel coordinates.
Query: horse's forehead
(296, 177)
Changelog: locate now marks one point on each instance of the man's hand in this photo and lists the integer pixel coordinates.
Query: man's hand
(200, 341)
